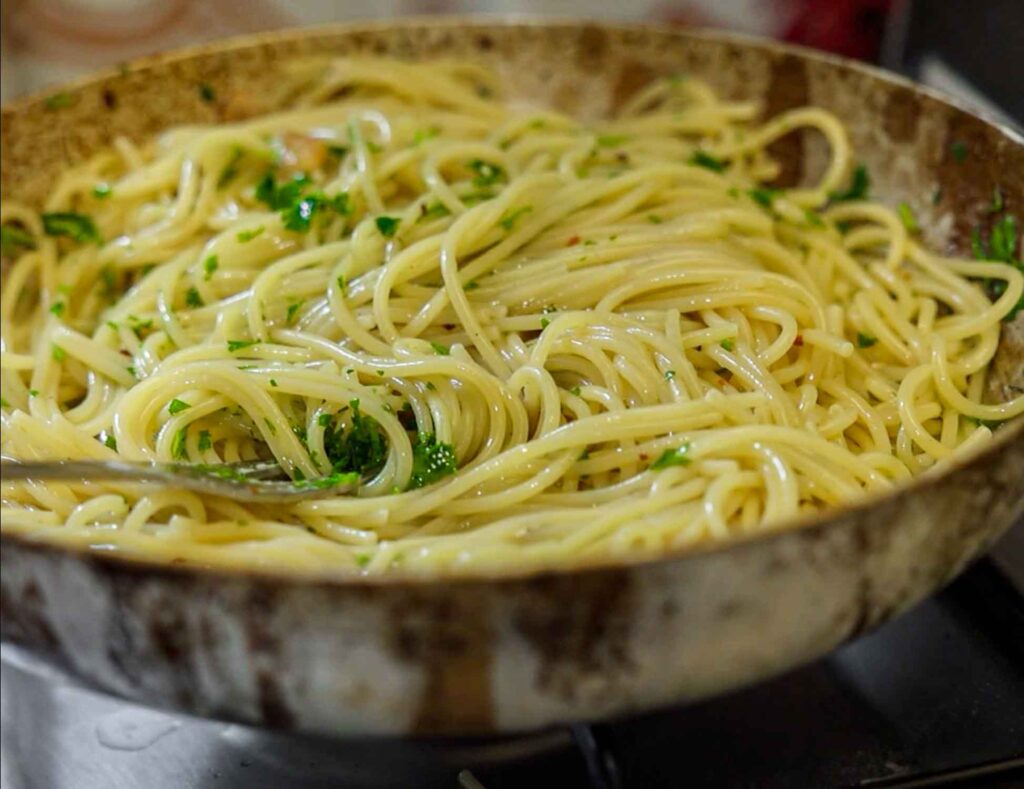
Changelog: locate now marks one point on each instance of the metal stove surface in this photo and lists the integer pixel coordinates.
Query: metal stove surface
(934, 698)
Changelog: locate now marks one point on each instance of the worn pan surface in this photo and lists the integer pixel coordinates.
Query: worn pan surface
(487, 655)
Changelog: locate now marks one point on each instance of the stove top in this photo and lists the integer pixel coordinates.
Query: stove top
(935, 698)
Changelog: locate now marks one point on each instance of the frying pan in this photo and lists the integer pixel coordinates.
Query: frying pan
(483, 655)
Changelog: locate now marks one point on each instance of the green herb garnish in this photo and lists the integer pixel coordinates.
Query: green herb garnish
(907, 218)
(673, 457)
(728, 344)
(205, 440)
(248, 235)
(763, 196)
(439, 349)
(57, 352)
(179, 451)
(707, 161)
(207, 93)
(865, 340)
(362, 448)
(58, 308)
(431, 460)
(387, 225)
(209, 266)
(78, 227)
(102, 191)
(237, 345)
(859, 186)
(487, 174)
(176, 406)
(193, 299)
(110, 441)
(958, 150)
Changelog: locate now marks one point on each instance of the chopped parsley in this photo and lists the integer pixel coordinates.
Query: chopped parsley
(77, 227)
(293, 310)
(728, 344)
(209, 266)
(472, 285)
(248, 235)
(57, 352)
(1001, 246)
(298, 216)
(707, 161)
(13, 239)
(439, 349)
(362, 448)
(486, 173)
(387, 225)
(33, 393)
(58, 308)
(431, 460)
(575, 390)
(670, 374)
(207, 93)
(363, 559)
(205, 441)
(611, 140)
(280, 197)
(110, 441)
(509, 218)
(859, 186)
(273, 383)
(544, 323)
(102, 191)
(654, 219)
(237, 345)
(673, 457)
(865, 340)
(341, 283)
(179, 451)
(958, 150)
(176, 406)
(193, 299)
(907, 217)
(763, 196)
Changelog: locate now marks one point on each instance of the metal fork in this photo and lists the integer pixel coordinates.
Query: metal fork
(252, 482)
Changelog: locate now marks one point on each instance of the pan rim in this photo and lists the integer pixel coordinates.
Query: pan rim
(804, 525)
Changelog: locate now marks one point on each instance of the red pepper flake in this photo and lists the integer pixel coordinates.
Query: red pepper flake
(644, 456)
(124, 352)
(798, 340)
(573, 241)
(448, 326)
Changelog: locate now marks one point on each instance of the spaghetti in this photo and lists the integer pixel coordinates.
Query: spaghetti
(542, 342)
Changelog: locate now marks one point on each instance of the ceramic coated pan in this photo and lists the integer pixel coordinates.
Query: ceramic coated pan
(485, 655)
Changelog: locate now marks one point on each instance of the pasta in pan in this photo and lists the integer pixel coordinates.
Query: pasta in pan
(540, 341)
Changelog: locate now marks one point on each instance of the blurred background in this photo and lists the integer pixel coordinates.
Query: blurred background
(974, 48)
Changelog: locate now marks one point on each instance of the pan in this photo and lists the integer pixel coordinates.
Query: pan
(486, 655)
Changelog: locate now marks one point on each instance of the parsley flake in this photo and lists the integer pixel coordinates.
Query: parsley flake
(673, 457)
(77, 227)
(176, 406)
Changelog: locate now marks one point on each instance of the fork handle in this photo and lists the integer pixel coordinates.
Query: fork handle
(79, 470)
